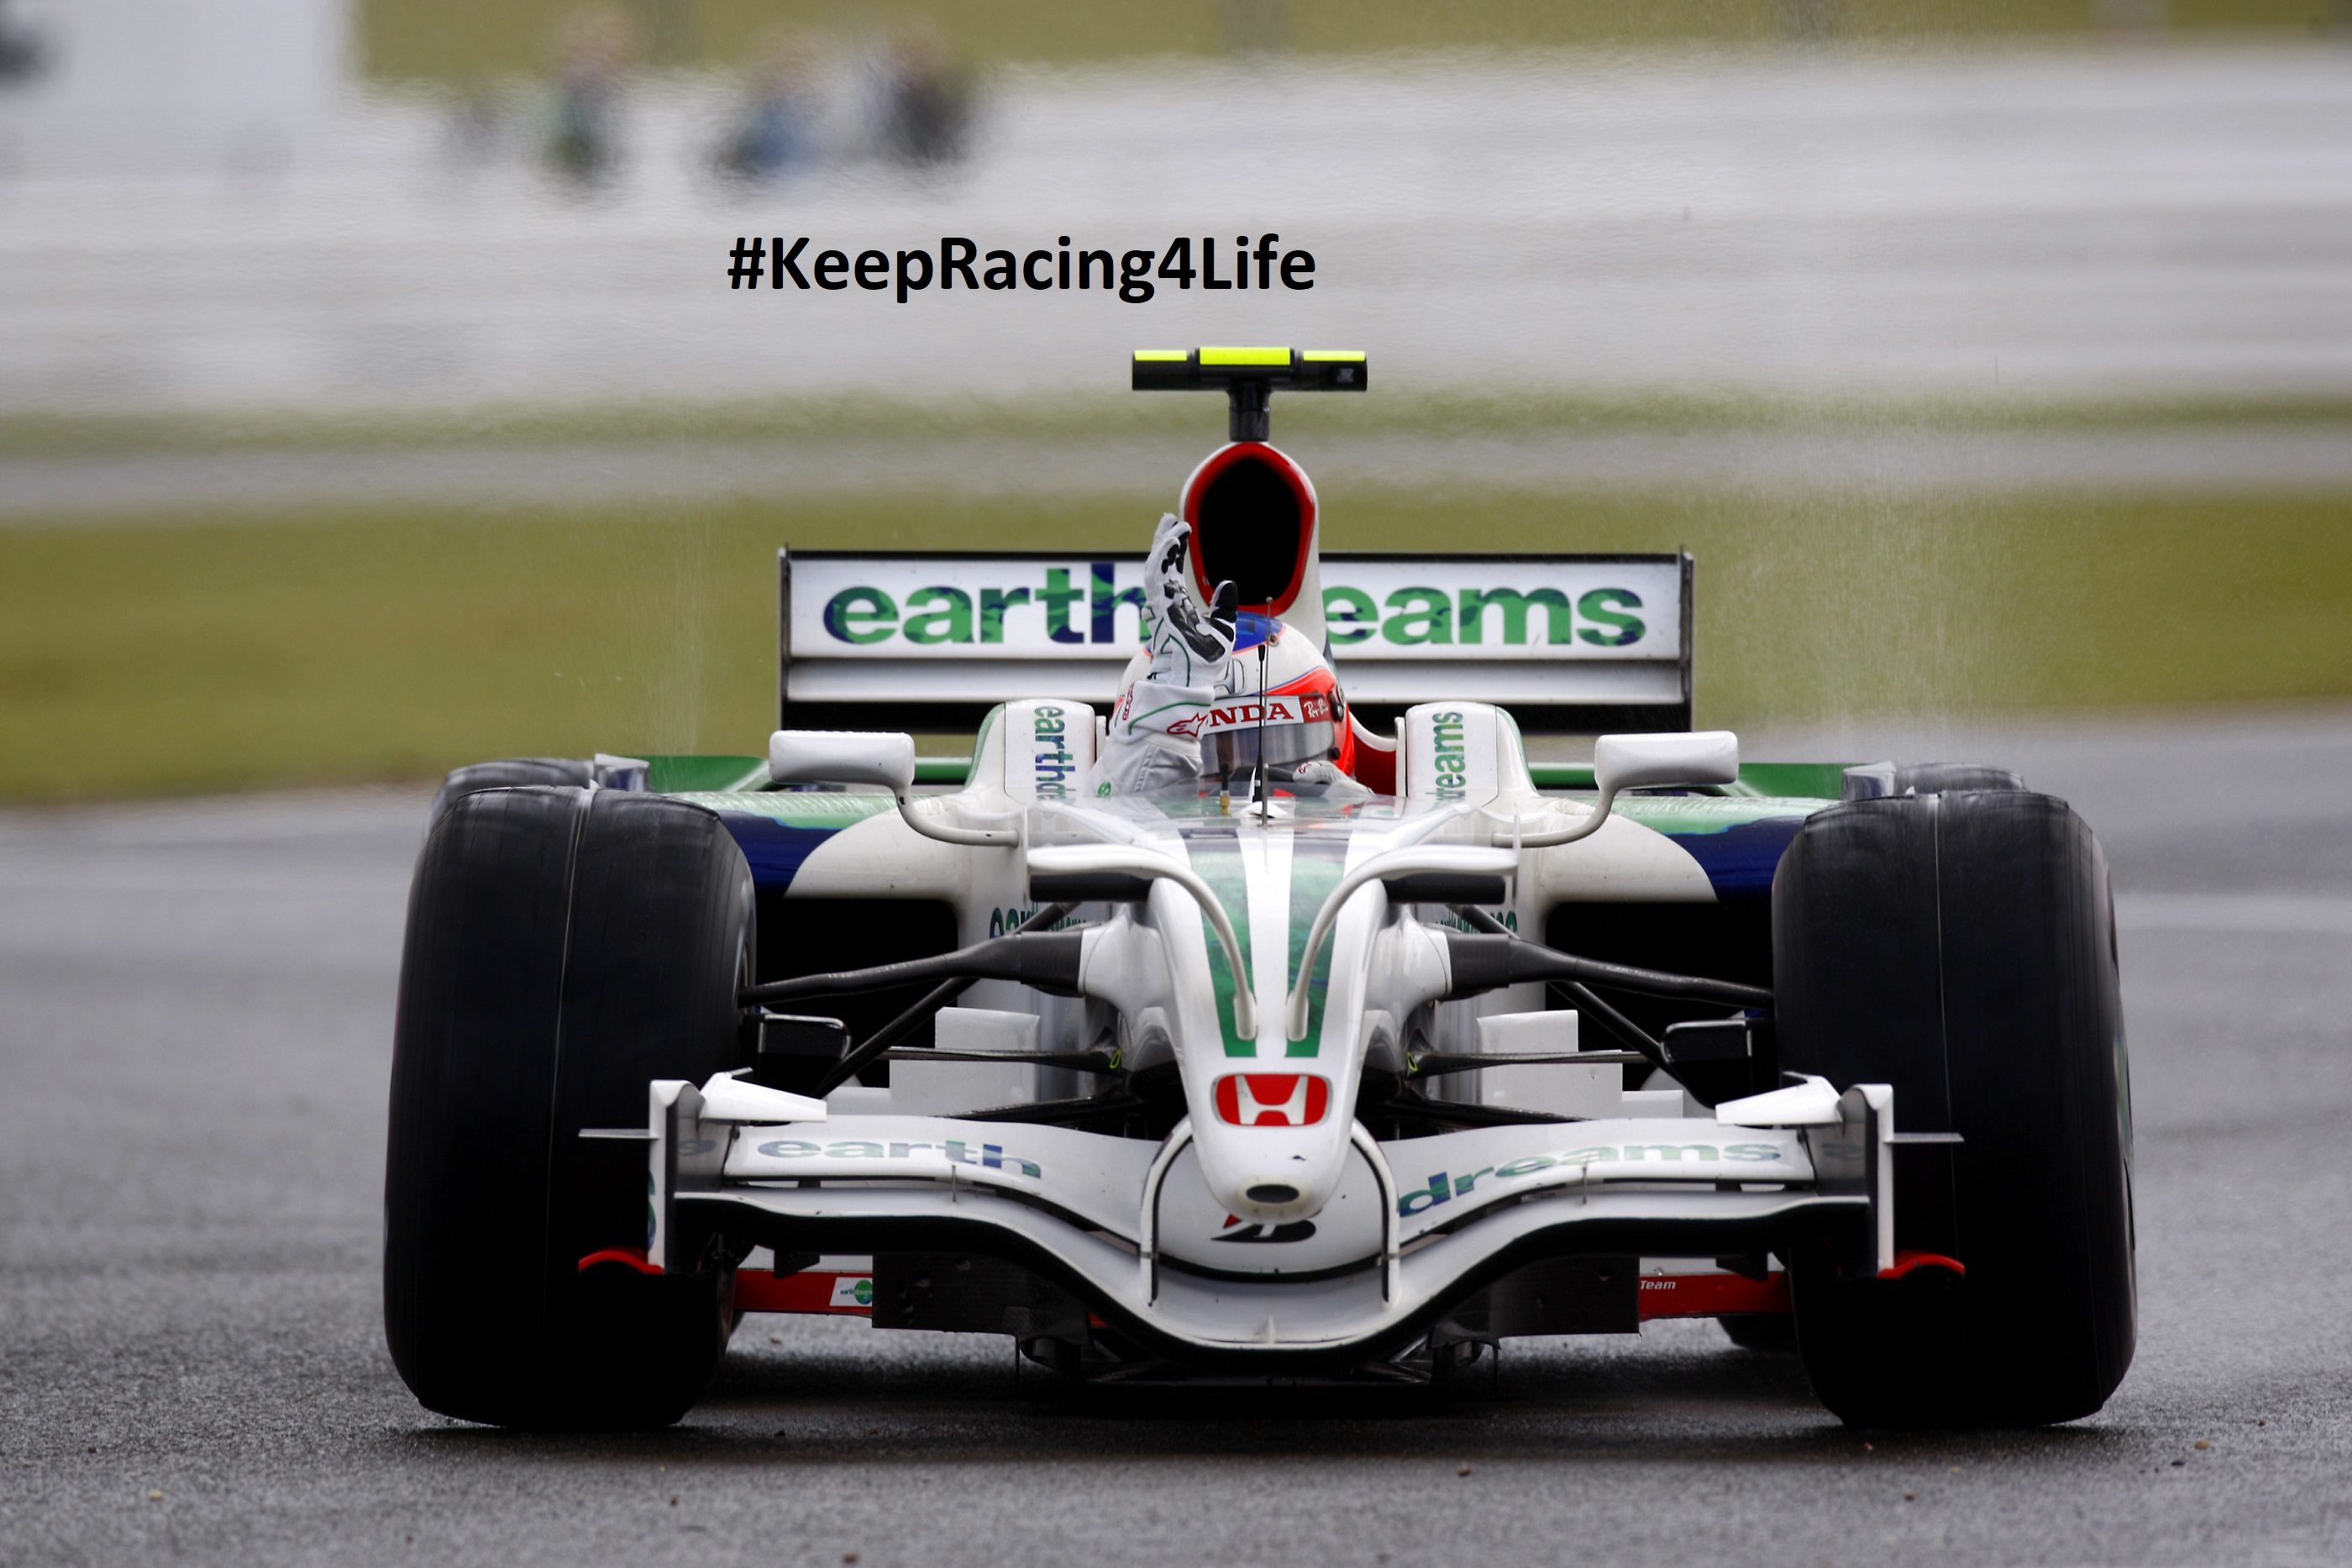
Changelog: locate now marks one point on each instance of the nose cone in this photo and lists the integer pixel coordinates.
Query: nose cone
(1270, 1174)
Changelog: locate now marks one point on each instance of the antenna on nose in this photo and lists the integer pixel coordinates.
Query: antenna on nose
(1264, 795)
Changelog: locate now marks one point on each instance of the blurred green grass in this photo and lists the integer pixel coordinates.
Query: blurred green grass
(462, 42)
(380, 645)
(1505, 411)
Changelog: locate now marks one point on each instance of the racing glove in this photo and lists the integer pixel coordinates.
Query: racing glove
(1178, 627)
(1153, 742)
(1341, 785)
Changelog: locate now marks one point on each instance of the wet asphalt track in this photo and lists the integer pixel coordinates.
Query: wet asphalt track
(195, 1007)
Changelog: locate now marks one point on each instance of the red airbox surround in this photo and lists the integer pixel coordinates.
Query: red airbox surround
(1253, 516)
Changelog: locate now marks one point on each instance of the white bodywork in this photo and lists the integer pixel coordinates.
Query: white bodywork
(1355, 1241)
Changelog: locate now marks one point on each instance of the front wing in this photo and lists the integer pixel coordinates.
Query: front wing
(1125, 1226)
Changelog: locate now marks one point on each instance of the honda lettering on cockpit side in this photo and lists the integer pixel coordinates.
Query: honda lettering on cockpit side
(1303, 708)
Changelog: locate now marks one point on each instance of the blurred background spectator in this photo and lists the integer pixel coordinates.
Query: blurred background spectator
(595, 50)
(21, 55)
(779, 127)
(925, 103)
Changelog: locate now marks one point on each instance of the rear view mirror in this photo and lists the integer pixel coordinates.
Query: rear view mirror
(843, 757)
(1622, 762)
(868, 756)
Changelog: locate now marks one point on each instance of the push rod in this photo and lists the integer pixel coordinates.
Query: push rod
(1484, 963)
(855, 1060)
(1048, 960)
(1588, 1001)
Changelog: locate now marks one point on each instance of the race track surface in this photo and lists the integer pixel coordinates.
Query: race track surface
(196, 1014)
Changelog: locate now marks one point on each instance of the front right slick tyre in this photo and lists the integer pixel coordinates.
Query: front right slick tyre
(565, 947)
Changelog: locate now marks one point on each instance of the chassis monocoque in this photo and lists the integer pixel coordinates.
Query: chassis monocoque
(1325, 1081)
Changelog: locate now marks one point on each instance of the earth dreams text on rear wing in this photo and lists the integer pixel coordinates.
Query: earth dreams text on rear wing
(1572, 644)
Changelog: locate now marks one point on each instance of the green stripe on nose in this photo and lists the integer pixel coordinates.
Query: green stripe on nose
(1316, 863)
(1216, 854)
(1317, 857)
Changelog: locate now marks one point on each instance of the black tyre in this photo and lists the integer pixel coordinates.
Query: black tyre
(1961, 947)
(565, 947)
(1767, 1333)
(1881, 779)
(516, 773)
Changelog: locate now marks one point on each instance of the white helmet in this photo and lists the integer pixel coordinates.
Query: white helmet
(1279, 706)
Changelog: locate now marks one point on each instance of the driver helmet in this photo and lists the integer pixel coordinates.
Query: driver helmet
(1279, 704)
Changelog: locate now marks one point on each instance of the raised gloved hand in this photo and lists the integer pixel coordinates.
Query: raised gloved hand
(1153, 739)
(1197, 642)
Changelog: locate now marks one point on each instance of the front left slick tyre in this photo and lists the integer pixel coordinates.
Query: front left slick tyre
(565, 947)
(1961, 947)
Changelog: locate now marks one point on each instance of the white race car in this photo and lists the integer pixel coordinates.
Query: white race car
(1333, 1081)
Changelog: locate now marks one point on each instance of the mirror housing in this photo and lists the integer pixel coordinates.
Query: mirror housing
(1621, 762)
(868, 756)
(843, 757)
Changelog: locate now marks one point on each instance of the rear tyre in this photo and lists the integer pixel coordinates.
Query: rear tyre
(565, 947)
(516, 773)
(1880, 779)
(1767, 1333)
(1961, 947)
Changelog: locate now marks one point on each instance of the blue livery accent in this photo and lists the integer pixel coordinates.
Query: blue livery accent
(1740, 860)
(775, 850)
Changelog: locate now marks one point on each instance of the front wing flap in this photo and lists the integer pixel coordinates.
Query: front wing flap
(1124, 1225)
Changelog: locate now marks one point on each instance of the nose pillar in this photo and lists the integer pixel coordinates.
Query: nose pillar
(1272, 1174)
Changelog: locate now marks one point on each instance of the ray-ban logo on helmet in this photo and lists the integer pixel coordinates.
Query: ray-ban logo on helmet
(1272, 1099)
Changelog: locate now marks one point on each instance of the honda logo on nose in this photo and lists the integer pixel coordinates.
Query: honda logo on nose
(1272, 1099)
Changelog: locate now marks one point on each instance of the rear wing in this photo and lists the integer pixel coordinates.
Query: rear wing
(1571, 644)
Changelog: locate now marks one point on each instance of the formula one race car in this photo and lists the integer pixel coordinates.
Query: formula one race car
(1337, 1079)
